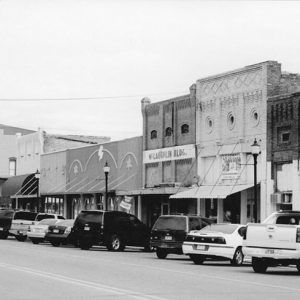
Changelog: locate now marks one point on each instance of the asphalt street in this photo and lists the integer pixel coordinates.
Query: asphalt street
(42, 271)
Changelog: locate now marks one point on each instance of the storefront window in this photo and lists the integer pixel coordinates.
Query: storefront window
(211, 208)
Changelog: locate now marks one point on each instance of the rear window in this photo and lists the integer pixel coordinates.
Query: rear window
(90, 217)
(60, 217)
(25, 215)
(65, 223)
(174, 223)
(42, 217)
(288, 219)
(224, 228)
(48, 222)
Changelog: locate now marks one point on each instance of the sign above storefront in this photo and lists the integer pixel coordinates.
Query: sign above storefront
(170, 153)
(231, 166)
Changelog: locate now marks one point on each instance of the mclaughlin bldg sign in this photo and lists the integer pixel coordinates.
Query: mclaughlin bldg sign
(171, 153)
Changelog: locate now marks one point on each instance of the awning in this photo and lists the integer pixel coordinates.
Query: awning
(210, 191)
(19, 186)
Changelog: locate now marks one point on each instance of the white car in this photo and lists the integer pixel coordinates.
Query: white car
(216, 241)
(37, 232)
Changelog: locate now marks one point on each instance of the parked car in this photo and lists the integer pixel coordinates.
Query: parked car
(169, 232)
(37, 232)
(23, 219)
(274, 242)
(114, 229)
(6, 217)
(61, 233)
(216, 241)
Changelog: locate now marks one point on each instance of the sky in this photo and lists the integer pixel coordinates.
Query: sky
(53, 53)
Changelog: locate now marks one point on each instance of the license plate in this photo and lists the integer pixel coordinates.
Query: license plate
(86, 228)
(201, 247)
(270, 251)
(1, 228)
(168, 238)
(55, 230)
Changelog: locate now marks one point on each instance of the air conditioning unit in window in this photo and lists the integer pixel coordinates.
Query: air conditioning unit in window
(276, 198)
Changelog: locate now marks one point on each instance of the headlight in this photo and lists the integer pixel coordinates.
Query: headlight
(68, 230)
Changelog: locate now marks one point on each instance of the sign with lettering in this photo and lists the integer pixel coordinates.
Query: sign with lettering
(231, 166)
(170, 153)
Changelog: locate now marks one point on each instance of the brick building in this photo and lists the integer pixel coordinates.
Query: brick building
(169, 160)
(283, 149)
(231, 111)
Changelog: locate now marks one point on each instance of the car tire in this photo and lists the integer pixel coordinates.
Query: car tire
(238, 257)
(161, 253)
(84, 245)
(259, 265)
(3, 236)
(21, 238)
(55, 244)
(197, 259)
(34, 241)
(115, 243)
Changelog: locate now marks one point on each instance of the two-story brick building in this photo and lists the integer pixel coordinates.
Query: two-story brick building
(169, 155)
(231, 112)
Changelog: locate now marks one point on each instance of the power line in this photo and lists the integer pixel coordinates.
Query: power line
(84, 98)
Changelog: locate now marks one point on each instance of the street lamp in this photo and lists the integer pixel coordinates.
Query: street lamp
(106, 170)
(37, 176)
(255, 149)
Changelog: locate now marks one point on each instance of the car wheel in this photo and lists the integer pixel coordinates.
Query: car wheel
(21, 238)
(161, 253)
(34, 241)
(197, 259)
(55, 244)
(238, 257)
(84, 245)
(259, 265)
(115, 243)
(3, 236)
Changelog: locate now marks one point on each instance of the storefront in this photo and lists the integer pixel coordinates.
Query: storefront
(75, 180)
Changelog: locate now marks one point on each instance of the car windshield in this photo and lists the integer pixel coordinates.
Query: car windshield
(44, 216)
(170, 222)
(224, 228)
(25, 215)
(66, 223)
(48, 222)
(90, 217)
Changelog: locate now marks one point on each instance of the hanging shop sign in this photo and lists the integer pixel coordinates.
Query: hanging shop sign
(126, 203)
(231, 166)
(170, 153)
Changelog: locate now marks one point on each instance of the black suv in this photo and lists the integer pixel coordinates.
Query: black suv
(114, 229)
(6, 217)
(169, 232)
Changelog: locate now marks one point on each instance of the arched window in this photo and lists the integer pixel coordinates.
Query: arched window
(168, 131)
(153, 134)
(185, 128)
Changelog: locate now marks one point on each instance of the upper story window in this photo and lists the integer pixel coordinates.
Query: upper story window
(168, 131)
(185, 128)
(153, 134)
(285, 137)
(12, 166)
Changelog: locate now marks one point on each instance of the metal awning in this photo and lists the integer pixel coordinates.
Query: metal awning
(20, 186)
(210, 191)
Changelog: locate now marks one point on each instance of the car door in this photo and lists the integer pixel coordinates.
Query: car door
(137, 231)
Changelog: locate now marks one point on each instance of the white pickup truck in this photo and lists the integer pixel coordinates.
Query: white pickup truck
(22, 221)
(274, 242)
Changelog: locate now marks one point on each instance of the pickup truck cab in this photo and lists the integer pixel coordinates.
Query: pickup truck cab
(22, 221)
(274, 242)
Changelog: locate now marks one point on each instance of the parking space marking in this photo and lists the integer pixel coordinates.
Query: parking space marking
(83, 283)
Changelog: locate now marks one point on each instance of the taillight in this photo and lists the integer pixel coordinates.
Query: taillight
(298, 235)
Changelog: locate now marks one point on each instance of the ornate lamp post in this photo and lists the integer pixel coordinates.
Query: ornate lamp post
(255, 149)
(37, 176)
(106, 170)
